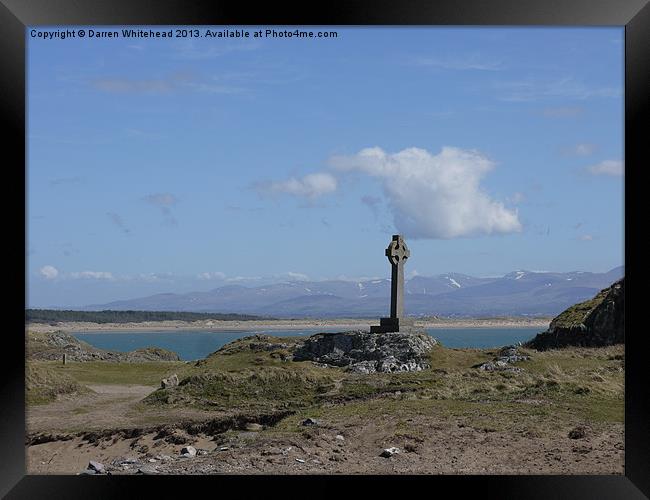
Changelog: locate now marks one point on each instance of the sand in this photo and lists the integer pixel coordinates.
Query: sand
(290, 324)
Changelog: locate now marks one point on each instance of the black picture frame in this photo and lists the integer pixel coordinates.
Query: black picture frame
(16, 15)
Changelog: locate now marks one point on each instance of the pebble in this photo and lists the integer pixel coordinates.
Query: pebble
(340, 438)
(300, 460)
(389, 452)
(188, 451)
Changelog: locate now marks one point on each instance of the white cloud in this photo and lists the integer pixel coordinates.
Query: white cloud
(97, 275)
(583, 149)
(434, 196)
(607, 167)
(310, 186)
(48, 272)
(297, 276)
(586, 237)
(212, 276)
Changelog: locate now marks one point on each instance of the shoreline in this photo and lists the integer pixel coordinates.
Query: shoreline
(298, 324)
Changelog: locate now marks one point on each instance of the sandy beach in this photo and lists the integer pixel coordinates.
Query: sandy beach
(297, 324)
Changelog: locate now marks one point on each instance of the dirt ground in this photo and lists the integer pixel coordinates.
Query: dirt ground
(339, 444)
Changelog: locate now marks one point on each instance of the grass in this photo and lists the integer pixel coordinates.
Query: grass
(101, 372)
(555, 388)
(43, 384)
(576, 314)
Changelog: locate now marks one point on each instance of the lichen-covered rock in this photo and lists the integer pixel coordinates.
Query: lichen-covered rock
(593, 323)
(365, 352)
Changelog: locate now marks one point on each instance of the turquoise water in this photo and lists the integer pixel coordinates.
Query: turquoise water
(198, 344)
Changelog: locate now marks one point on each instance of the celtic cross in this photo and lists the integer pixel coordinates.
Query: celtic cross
(397, 253)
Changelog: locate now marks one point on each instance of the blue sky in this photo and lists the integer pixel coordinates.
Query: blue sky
(172, 165)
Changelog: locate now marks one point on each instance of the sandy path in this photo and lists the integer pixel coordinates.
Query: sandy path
(108, 406)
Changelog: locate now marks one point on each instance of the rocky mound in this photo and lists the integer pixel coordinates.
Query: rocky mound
(595, 322)
(366, 352)
(51, 346)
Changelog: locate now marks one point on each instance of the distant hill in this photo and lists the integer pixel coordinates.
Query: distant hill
(104, 316)
(520, 293)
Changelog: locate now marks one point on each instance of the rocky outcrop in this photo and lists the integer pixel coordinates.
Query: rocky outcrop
(51, 346)
(506, 356)
(366, 352)
(596, 322)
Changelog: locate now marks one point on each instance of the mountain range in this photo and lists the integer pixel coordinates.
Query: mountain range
(519, 293)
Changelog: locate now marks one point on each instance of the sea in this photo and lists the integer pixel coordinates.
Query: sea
(195, 344)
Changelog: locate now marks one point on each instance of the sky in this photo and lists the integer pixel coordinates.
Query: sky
(184, 164)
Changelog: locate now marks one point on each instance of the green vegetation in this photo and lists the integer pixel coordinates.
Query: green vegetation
(581, 382)
(43, 384)
(55, 316)
(252, 376)
(102, 372)
(577, 313)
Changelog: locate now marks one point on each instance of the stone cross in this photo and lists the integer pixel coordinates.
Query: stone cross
(397, 253)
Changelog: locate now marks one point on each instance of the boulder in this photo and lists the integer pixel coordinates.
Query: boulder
(169, 382)
(310, 421)
(365, 352)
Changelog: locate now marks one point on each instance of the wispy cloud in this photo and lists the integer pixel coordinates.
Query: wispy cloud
(95, 275)
(66, 180)
(118, 221)
(563, 112)
(189, 50)
(123, 86)
(310, 186)
(607, 167)
(176, 82)
(165, 202)
(537, 89)
(582, 149)
(209, 276)
(472, 62)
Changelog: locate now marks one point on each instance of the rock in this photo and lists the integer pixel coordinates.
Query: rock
(253, 427)
(310, 421)
(389, 452)
(506, 356)
(578, 432)
(365, 352)
(87, 472)
(96, 466)
(300, 460)
(593, 323)
(189, 451)
(147, 469)
(201, 452)
(169, 382)
(339, 438)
